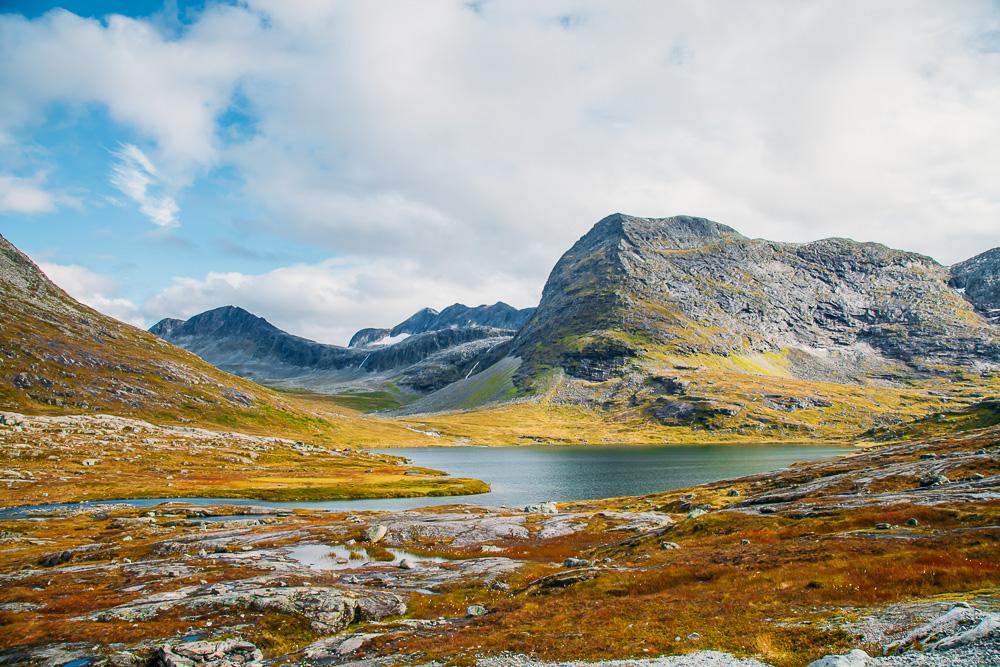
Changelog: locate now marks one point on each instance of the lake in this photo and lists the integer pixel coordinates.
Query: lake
(522, 475)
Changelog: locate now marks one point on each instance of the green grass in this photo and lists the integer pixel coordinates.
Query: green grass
(372, 401)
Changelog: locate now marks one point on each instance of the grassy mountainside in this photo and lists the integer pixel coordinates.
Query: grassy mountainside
(59, 357)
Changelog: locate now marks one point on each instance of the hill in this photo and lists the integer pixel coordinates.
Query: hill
(70, 367)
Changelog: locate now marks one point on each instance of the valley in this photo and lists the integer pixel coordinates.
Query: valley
(702, 353)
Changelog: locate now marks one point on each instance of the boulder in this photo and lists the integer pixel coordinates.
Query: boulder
(476, 610)
(934, 480)
(856, 658)
(376, 533)
(58, 558)
(231, 652)
(576, 562)
(548, 507)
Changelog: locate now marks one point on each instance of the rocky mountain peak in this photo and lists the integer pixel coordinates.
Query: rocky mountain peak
(218, 321)
(675, 233)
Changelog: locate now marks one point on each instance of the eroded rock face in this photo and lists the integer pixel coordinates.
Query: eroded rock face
(979, 279)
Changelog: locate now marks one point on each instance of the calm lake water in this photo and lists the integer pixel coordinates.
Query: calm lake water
(522, 475)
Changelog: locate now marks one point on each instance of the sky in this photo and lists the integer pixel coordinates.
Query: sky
(337, 165)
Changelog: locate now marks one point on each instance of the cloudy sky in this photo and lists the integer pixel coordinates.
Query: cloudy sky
(333, 165)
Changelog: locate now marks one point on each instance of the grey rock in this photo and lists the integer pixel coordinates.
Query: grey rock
(476, 610)
(576, 562)
(856, 658)
(228, 653)
(57, 558)
(548, 507)
(934, 480)
(376, 533)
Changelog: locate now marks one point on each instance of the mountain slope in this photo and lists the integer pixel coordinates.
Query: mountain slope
(685, 323)
(691, 286)
(59, 356)
(424, 360)
(107, 399)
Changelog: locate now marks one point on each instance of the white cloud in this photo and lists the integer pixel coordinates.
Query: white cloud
(471, 148)
(24, 195)
(94, 289)
(136, 176)
(327, 301)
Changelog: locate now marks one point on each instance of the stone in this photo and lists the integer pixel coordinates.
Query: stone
(934, 480)
(548, 507)
(407, 564)
(669, 545)
(576, 562)
(856, 658)
(694, 636)
(54, 559)
(476, 610)
(733, 493)
(744, 541)
(883, 526)
(912, 522)
(90, 462)
(231, 652)
(696, 512)
(376, 533)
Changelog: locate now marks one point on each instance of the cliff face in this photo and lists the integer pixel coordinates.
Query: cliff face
(979, 280)
(690, 286)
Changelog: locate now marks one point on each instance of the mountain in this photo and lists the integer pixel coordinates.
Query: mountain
(58, 356)
(424, 353)
(683, 321)
(834, 308)
(498, 316)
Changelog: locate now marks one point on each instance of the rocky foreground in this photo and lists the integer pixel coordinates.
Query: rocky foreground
(887, 557)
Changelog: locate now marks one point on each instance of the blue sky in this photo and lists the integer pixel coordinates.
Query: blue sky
(334, 165)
